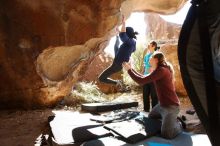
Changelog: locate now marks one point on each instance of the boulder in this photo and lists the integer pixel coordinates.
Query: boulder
(46, 45)
(166, 34)
(159, 29)
(170, 52)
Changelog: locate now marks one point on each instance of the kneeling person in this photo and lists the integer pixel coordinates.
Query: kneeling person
(168, 106)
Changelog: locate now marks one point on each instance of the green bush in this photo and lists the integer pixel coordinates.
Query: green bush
(137, 62)
(137, 58)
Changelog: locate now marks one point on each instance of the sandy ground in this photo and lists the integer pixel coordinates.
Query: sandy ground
(24, 128)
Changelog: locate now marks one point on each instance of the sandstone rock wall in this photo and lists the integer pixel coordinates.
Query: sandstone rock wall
(29, 28)
(159, 29)
(46, 45)
(170, 51)
(167, 34)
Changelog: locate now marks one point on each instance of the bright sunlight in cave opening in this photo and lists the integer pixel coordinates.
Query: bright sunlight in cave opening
(137, 21)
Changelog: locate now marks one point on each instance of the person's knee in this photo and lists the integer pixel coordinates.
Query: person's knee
(169, 133)
(154, 115)
(151, 115)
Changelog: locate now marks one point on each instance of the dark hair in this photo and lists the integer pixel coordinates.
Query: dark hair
(131, 33)
(162, 61)
(155, 45)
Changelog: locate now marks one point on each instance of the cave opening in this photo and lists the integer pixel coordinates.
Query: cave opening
(167, 39)
(148, 33)
(68, 66)
(62, 67)
(164, 29)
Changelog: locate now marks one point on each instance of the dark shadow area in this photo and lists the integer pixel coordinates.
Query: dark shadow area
(82, 134)
(124, 129)
(107, 141)
(94, 143)
(181, 140)
(26, 127)
(107, 106)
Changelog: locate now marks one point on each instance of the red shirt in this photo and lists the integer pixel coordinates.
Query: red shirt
(162, 79)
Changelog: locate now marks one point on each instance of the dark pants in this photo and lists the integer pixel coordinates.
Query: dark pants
(116, 46)
(149, 90)
(170, 126)
(104, 77)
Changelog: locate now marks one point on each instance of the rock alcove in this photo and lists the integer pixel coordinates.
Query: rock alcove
(47, 45)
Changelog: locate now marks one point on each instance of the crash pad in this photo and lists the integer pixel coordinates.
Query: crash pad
(75, 127)
(133, 131)
(183, 139)
(129, 131)
(107, 141)
(157, 144)
(107, 106)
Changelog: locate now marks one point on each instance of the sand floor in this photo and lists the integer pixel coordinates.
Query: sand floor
(24, 128)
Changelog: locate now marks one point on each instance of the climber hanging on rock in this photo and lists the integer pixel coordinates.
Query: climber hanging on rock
(123, 53)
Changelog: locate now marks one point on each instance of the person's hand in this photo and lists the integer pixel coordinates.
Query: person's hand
(126, 65)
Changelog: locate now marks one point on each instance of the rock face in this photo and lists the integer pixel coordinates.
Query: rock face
(166, 33)
(46, 45)
(170, 51)
(159, 29)
(32, 29)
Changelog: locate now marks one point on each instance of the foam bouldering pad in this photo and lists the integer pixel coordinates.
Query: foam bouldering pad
(85, 133)
(76, 129)
(107, 106)
(73, 127)
(133, 131)
(107, 141)
(183, 139)
(130, 131)
(115, 116)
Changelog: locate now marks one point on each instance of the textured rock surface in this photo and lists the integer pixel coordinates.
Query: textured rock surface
(158, 28)
(29, 27)
(159, 6)
(170, 51)
(41, 41)
(61, 67)
(166, 33)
